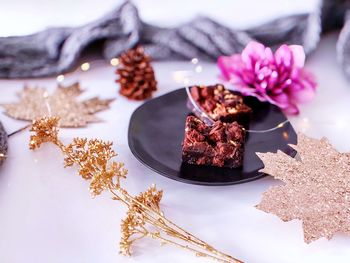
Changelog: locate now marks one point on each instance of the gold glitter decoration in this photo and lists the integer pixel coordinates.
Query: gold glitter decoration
(45, 131)
(144, 217)
(316, 189)
(35, 103)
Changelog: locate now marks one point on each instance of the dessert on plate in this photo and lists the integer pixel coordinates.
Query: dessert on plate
(221, 104)
(221, 144)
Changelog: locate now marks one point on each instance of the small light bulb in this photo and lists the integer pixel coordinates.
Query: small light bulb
(186, 81)
(305, 124)
(114, 62)
(194, 60)
(280, 125)
(198, 69)
(180, 75)
(60, 78)
(85, 66)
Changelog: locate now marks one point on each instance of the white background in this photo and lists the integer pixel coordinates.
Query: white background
(19, 17)
(46, 213)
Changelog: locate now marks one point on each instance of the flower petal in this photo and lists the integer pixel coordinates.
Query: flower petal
(229, 65)
(245, 90)
(223, 64)
(253, 52)
(291, 110)
(278, 78)
(281, 100)
(301, 93)
(284, 56)
(298, 55)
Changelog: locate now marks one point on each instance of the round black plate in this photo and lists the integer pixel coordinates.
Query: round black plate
(156, 131)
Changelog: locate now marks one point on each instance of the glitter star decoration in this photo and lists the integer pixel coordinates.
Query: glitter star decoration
(35, 103)
(316, 188)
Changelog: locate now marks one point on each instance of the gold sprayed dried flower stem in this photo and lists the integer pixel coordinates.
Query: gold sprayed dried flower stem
(144, 217)
(35, 103)
(316, 189)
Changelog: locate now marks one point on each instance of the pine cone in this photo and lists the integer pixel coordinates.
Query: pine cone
(136, 75)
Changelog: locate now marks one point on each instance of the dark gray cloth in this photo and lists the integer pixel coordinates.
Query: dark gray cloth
(56, 50)
(302, 29)
(333, 14)
(3, 142)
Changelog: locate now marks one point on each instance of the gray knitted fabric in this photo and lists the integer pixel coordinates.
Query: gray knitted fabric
(56, 50)
(3, 142)
(333, 14)
(343, 46)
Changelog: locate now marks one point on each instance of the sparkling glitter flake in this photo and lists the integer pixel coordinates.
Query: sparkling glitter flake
(35, 103)
(316, 189)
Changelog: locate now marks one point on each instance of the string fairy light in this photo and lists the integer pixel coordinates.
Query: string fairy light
(285, 135)
(2, 156)
(209, 121)
(85, 66)
(278, 126)
(197, 110)
(60, 78)
(19, 130)
(5, 156)
(184, 77)
(181, 76)
(114, 62)
(186, 81)
(198, 69)
(194, 60)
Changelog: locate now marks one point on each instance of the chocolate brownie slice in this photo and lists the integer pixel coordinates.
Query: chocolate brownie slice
(219, 145)
(222, 104)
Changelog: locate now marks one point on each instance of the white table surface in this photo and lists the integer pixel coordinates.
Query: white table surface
(47, 215)
(20, 17)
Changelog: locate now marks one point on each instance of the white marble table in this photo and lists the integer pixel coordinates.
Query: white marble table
(47, 215)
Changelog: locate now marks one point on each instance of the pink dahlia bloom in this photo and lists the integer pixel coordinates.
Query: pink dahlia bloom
(278, 78)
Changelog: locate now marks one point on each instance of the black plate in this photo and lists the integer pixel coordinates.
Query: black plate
(156, 132)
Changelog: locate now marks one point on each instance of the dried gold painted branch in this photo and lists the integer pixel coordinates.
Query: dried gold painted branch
(144, 217)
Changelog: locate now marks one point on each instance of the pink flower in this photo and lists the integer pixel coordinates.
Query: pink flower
(277, 78)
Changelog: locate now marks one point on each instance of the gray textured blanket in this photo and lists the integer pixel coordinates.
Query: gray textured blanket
(56, 50)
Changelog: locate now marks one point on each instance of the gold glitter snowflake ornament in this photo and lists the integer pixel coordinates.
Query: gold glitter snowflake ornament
(35, 103)
(316, 189)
